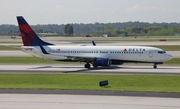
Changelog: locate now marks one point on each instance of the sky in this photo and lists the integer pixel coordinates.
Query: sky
(89, 11)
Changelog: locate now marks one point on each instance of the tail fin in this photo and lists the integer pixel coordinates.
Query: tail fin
(94, 44)
(29, 37)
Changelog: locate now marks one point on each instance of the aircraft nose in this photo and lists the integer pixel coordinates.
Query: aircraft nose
(168, 57)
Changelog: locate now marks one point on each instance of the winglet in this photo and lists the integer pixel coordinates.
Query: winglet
(29, 37)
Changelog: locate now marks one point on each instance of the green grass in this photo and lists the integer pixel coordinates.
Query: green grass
(36, 60)
(29, 60)
(174, 61)
(9, 47)
(11, 42)
(137, 83)
(25, 60)
(168, 47)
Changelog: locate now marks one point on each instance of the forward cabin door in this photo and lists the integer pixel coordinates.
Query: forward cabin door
(150, 54)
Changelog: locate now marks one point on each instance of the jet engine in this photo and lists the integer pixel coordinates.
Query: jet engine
(102, 62)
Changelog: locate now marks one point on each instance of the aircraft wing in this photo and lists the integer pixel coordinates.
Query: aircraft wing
(78, 58)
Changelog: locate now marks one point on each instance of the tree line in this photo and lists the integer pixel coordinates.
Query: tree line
(98, 29)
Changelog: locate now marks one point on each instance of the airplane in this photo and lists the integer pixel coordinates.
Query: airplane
(92, 55)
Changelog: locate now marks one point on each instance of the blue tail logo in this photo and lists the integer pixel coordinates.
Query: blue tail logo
(29, 37)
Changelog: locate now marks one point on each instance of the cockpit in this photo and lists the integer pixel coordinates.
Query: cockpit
(161, 52)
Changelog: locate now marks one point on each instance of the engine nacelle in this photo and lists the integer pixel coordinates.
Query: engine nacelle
(102, 62)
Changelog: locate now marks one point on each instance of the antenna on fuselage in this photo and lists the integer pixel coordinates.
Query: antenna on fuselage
(94, 44)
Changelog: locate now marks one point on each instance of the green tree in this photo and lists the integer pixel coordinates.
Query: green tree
(39, 31)
(68, 29)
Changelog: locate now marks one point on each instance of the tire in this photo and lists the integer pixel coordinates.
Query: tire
(87, 66)
(154, 66)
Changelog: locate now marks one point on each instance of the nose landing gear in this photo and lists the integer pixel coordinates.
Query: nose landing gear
(154, 66)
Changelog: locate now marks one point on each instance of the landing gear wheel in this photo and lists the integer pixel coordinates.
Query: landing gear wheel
(154, 66)
(87, 65)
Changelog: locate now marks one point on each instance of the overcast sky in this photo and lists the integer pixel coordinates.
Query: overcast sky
(89, 11)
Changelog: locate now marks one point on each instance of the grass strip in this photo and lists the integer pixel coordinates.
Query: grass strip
(174, 61)
(31, 60)
(168, 47)
(28, 60)
(138, 83)
(9, 47)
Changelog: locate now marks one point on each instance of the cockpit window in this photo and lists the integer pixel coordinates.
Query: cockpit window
(161, 52)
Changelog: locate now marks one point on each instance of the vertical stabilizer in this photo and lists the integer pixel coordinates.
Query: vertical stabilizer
(29, 37)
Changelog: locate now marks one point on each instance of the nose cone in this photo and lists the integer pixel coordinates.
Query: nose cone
(168, 57)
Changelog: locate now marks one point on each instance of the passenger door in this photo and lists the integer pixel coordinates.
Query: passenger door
(150, 54)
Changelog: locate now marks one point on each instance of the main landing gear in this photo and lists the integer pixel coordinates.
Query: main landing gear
(87, 65)
(155, 66)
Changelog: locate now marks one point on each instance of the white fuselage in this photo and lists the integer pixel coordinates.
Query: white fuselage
(122, 53)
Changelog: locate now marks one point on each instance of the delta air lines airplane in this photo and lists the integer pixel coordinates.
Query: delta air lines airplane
(92, 55)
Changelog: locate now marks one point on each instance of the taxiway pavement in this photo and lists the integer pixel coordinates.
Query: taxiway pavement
(53, 101)
(79, 69)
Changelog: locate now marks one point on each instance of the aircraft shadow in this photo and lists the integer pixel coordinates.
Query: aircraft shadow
(100, 68)
(82, 69)
(94, 69)
(54, 67)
